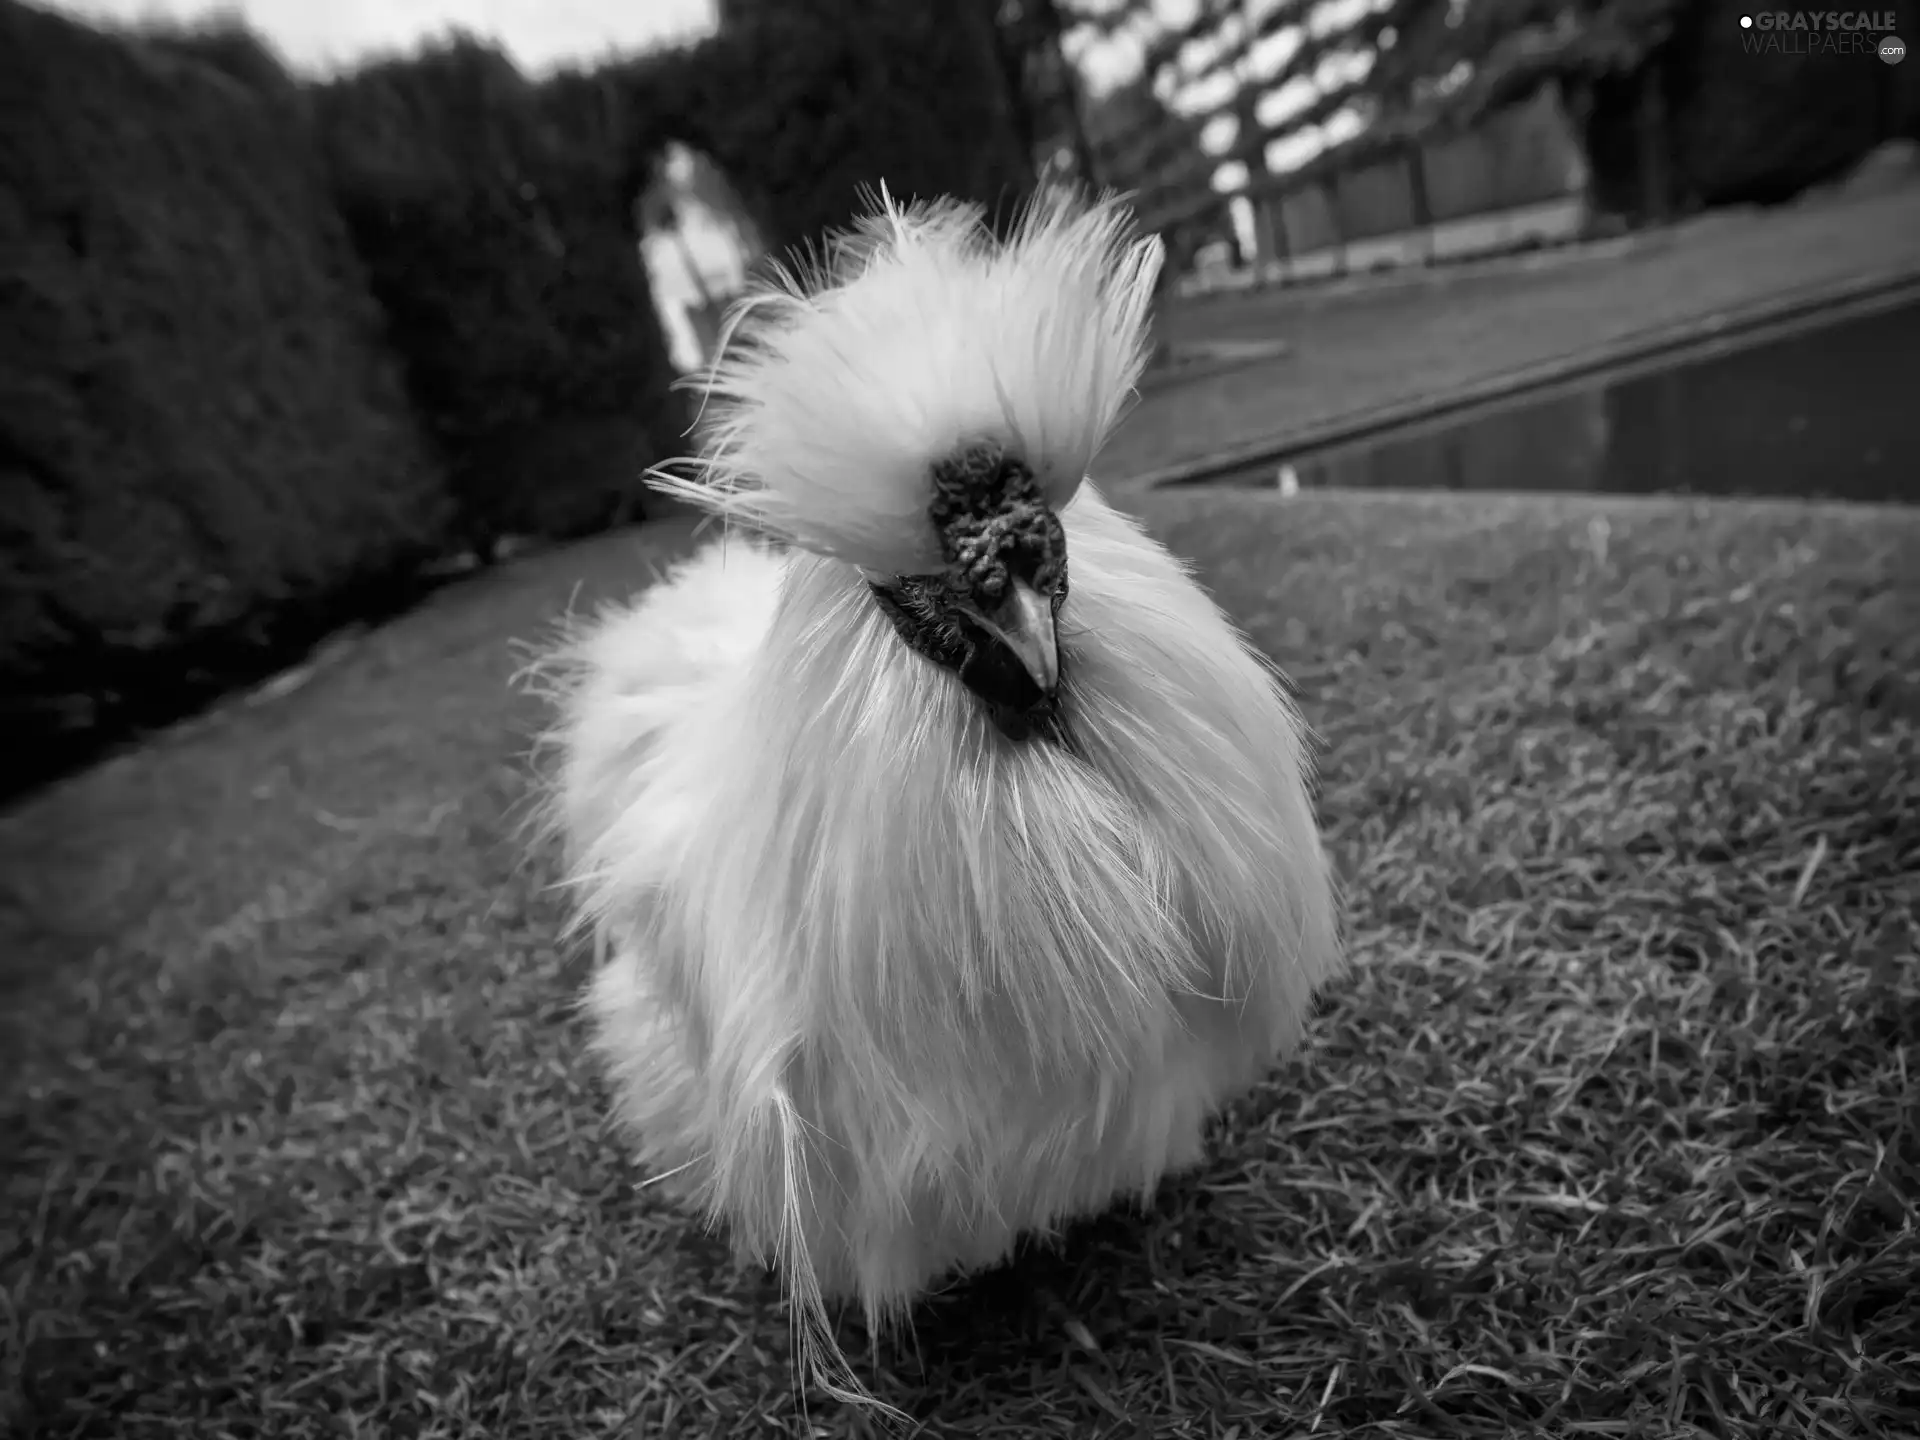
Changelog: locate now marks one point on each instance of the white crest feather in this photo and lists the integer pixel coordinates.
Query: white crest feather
(836, 392)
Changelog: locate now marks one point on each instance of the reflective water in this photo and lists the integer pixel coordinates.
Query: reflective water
(1827, 412)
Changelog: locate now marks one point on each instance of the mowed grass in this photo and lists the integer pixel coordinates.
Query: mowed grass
(1613, 1131)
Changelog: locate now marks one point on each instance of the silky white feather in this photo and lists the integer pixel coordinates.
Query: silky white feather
(883, 989)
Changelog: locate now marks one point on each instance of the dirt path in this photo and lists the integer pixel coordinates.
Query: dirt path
(1363, 348)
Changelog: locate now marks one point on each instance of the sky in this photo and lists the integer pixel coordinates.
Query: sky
(539, 34)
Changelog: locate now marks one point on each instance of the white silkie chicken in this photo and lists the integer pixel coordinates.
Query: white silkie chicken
(951, 860)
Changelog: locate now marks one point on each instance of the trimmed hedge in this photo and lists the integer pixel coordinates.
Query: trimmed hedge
(807, 103)
(272, 344)
(199, 424)
(495, 221)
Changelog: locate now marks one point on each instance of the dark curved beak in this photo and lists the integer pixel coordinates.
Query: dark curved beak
(1024, 624)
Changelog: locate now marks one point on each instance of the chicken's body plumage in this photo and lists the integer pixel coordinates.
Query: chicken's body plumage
(880, 987)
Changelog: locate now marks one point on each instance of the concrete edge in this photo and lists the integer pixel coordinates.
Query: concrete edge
(1598, 503)
(1781, 309)
(1441, 273)
(1263, 352)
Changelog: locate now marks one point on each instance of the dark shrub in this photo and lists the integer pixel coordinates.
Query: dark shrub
(199, 426)
(497, 229)
(807, 103)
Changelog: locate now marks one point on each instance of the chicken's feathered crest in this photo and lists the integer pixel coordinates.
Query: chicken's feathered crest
(836, 390)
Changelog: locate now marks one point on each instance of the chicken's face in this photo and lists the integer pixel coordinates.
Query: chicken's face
(922, 409)
(989, 616)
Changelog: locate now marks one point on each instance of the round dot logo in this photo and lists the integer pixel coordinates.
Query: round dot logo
(1893, 49)
(1746, 22)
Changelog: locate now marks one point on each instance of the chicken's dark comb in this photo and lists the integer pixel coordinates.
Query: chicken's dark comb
(988, 510)
(994, 525)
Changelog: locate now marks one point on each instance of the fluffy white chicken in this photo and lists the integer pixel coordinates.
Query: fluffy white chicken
(950, 858)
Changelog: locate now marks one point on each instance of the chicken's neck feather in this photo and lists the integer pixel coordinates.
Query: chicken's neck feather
(912, 867)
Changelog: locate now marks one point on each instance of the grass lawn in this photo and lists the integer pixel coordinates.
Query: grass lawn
(1614, 1131)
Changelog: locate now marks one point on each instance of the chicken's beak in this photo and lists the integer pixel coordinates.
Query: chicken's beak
(1024, 624)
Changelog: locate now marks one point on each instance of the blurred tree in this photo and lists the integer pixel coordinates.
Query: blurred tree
(232, 391)
(495, 218)
(205, 446)
(1758, 128)
(223, 41)
(1675, 111)
(806, 105)
(1052, 107)
(1143, 146)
